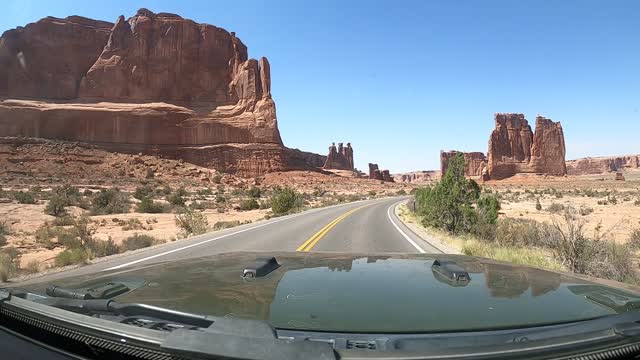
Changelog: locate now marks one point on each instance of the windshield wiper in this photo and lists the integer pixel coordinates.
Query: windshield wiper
(208, 336)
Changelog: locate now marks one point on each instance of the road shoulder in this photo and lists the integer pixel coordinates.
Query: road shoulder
(420, 232)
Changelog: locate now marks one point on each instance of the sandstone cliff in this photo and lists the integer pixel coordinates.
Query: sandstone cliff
(600, 165)
(340, 158)
(417, 176)
(514, 148)
(154, 83)
(475, 162)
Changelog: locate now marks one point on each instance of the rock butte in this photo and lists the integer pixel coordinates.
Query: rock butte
(340, 158)
(156, 84)
(417, 176)
(475, 162)
(514, 148)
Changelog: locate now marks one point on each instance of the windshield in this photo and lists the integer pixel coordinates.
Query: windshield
(411, 167)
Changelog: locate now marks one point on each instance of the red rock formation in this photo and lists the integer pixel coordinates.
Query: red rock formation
(386, 176)
(513, 148)
(600, 165)
(372, 171)
(377, 175)
(155, 82)
(298, 159)
(340, 158)
(619, 176)
(475, 162)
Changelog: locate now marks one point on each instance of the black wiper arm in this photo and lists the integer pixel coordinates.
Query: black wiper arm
(114, 308)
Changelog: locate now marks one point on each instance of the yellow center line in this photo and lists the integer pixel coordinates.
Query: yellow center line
(307, 245)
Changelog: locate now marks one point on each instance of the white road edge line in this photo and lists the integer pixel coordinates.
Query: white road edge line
(220, 237)
(420, 250)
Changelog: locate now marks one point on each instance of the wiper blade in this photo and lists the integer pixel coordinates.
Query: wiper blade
(103, 291)
(115, 308)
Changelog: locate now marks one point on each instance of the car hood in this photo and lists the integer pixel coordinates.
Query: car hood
(350, 293)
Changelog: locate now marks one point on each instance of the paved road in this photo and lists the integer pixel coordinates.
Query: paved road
(364, 227)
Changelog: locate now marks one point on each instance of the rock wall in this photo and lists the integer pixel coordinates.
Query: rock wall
(600, 165)
(417, 176)
(475, 162)
(373, 168)
(514, 148)
(298, 159)
(153, 81)
(340, 158)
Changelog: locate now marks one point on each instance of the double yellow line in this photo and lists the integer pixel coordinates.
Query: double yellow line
(307, 245)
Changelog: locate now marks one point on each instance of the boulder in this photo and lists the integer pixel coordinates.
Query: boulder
(514, 148)
(340, 158)
(154, 84)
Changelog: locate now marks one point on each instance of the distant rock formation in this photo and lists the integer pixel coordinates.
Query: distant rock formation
(619, 176)
(601, 165)
(374, 172)
(340, 158)
(514, 148)
(475, 162)
(417, 176)
(154, 83)
(377, 174)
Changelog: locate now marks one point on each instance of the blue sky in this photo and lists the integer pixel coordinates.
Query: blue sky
(402, 80)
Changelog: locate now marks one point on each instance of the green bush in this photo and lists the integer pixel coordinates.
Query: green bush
(98, 248)
(147, 205)
(285, 200)
(139, 241)
(191, 222)
(64, 220)
(555, 208)
(133, 224)
(24, 197)
(145, 191)
(249, 204)
(220, 199)
(111, 201)
(72, 257)
(448, 205)
(401, 192)
(254, 192)
(177, 198)
(634, 239)
(56, 206)
(4, 230)
(9, 263)
(538, 205)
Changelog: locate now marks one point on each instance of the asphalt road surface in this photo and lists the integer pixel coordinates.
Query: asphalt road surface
(363, 227)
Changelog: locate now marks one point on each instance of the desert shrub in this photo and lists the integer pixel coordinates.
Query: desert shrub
(519, 233)
(637, 202)
(612, 199)
(249, 204)
(558, 195)
(225, 224)
(33, 266)
(585, 210)
(56, 206)
(133, 224)
(147, 205)
(87, 192)
(191, 222)
(265, 204)
(217, 179)
(341, 198)
(202, 205)
(110, 201)
(401, 192)
(149, 173)
(72, 257)
(44, 234)
(354, 197)
(254, 192)
(5, 229)
(220, 199)
(220, 189)
(318, 192)
(24, 197)
(285, 200)
(555, 208)
(205, 191)
(99, 248)
(634, 239)
(221, 209)
(9, 263)
(487, 208)
(538, 205)
(448, 205)
(143, 192)
(177, 198)
(372, 193)
(64, 220)
(138, 241)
